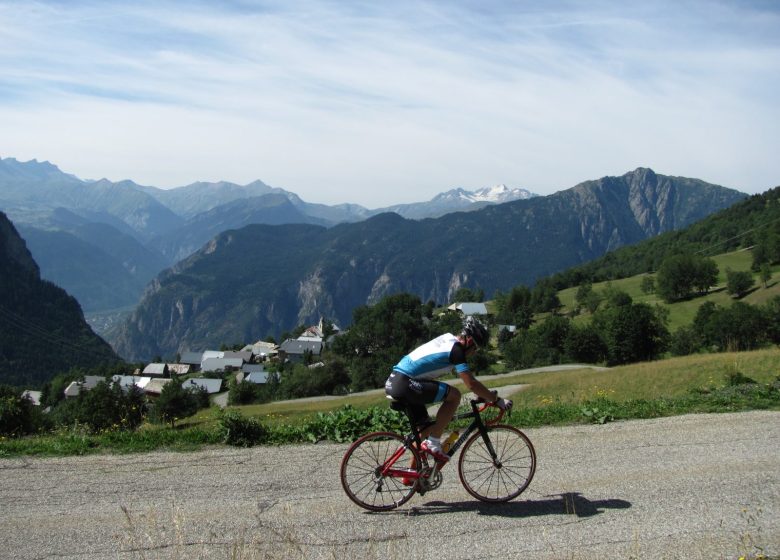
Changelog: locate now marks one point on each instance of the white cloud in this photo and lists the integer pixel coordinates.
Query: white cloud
(379, 103)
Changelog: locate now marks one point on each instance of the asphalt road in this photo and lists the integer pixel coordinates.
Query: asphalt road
(697, 486)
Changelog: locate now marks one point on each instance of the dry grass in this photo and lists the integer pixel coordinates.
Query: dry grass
(649, 380)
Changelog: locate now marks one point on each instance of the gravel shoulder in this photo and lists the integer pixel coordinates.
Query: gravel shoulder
(696, 486)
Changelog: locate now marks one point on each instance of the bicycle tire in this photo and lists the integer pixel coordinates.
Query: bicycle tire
(360, 475)
(490, 483)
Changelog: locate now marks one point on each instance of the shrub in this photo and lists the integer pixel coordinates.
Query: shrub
(241, 431)
(686, 340)
(349, 423)
(17, 414)
(734, 378)
(105, 407)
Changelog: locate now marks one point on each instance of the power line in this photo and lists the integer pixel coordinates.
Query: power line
(35, 329)
(743, 234)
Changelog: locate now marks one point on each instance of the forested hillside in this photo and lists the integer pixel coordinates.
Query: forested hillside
(42, 328)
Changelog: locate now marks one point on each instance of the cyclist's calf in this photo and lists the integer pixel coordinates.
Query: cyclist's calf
(445, 414)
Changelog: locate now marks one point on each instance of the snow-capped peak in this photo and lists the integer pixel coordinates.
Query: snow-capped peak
(494, 195)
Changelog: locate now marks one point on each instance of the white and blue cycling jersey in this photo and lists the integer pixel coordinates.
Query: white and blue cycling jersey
(434, 359)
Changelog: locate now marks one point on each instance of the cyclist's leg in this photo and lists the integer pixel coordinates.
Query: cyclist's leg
(445, 413)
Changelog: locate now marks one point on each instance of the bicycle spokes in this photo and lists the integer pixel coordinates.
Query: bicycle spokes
(376, 472)
(501, 473)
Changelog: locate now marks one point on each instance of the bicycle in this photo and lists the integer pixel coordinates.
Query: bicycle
(383, 470)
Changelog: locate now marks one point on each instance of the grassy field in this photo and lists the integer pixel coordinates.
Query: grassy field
(649, 380)
(682, 313)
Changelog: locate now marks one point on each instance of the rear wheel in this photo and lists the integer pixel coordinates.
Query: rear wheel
(361, 474)
(506, 477)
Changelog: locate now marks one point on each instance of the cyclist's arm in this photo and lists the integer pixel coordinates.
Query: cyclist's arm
(475, 386)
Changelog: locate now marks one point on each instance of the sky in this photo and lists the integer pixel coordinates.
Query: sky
(379, 103)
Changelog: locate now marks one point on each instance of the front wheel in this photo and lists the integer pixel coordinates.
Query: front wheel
(362, 466)
(504, 478)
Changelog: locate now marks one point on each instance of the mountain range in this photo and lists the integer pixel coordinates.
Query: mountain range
(252, 261)
(131, 232)
(260, 280)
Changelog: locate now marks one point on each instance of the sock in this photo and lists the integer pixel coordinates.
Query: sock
(434, 443)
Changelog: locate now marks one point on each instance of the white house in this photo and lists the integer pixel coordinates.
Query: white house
(469, 308)
(211, 385)
(34, 396)
(221, 364)
(90, 382)
(155, 370)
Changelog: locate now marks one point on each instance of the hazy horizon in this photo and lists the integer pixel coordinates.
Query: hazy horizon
(381, 104)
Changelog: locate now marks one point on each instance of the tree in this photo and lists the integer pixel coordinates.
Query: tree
(447, 322)
(242, 393)
(480, 361)
(705, 274)
(379, 336)
(468, 295)
(544, 297)
(631, 333)
(584, 344)
(772, 317)
(515, 307)
(583, 293)
(541, 345)
(176, 402)
(17, 414)
(767, 249)
(647, 285)
(54, 391)
(736, 328)
(329, 379)
(524, 350)
(738, 282)
(107, 406)
(586, 297)
(616, 297)
(681, 274)
(686, 340)
(553, 332)
(593, 301)
(765, 273)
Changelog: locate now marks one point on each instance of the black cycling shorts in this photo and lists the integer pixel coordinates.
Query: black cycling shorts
(416, 393)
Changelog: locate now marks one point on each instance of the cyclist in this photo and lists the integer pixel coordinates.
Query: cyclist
(413, 381)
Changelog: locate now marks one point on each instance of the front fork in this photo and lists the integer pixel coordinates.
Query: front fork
(491, 449)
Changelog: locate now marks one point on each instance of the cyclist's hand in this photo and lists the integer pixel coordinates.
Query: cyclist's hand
(504, 404)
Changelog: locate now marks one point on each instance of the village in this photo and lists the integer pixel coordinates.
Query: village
(208, 369)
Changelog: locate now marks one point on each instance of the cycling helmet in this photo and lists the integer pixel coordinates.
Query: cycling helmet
(476, 330)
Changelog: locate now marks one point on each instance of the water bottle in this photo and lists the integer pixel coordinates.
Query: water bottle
(449, 441)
